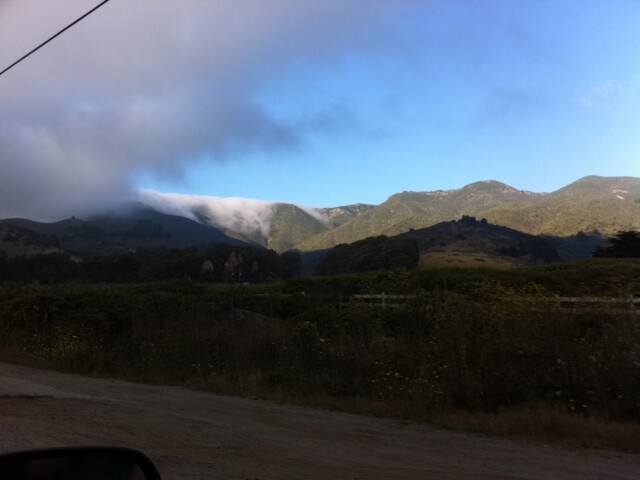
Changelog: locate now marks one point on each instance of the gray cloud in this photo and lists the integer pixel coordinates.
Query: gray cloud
(150, 85)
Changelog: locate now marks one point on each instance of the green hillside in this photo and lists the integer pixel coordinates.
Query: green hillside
(291, 225)
(606, 204)
(339, 215)
(404, 211)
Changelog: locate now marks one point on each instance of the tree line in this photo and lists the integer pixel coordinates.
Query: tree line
(625, 244)
(218, 263)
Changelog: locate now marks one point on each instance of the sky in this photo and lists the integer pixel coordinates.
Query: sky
(315, 102)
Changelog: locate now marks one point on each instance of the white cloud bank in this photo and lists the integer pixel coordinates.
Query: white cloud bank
(243, 215)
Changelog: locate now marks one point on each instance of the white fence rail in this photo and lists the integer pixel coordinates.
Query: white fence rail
(384, 299)
(618, 303)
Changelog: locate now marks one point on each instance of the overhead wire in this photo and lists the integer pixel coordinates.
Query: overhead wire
(54, 36)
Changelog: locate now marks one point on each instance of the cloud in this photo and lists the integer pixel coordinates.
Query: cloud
(152, 85)
(243, 215)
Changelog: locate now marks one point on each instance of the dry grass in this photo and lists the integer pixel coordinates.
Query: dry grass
(537, 424)
(465, 260)
(547, 424)
(22, 357)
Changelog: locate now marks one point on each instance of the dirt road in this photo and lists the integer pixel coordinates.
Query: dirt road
(198, 435)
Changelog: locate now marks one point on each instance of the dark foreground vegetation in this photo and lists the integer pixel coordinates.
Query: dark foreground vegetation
(216, 263)
(447, 343)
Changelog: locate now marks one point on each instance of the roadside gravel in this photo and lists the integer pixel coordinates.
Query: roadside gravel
(198, 435)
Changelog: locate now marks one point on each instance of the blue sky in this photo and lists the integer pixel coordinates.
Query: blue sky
(321, 103)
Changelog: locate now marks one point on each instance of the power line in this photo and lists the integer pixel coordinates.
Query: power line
(51, 38)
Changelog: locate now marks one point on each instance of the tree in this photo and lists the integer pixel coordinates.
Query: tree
(232, 264)
(625, 244)
(289, 264)
(206, 268)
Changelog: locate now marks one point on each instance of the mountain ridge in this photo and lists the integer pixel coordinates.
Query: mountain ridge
(138, 227)
(604, 204)
(589, 203)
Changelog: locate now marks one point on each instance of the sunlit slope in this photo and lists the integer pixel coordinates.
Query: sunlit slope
(607, 204)
(407, 210)
(291, 225)
(337, 216)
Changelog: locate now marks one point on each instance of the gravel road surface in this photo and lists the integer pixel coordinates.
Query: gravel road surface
(197, 435)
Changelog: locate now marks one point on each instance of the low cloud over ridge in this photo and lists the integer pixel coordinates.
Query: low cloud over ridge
(243, 215)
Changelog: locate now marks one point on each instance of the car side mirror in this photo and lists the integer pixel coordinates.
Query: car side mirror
(82, 463)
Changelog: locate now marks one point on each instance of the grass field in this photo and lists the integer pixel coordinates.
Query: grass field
(476, 349)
